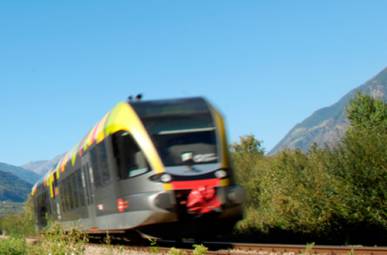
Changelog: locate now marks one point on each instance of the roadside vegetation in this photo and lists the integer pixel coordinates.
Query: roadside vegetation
(333, 195)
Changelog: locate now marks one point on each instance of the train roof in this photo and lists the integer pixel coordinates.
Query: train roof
(160, 108)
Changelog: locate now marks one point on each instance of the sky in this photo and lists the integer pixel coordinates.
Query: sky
(267, 65)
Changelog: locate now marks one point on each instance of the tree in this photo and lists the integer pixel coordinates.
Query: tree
(248, 144)
(367, 113)
(361, 160)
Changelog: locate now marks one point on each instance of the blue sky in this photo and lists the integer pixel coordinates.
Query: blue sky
(266, 64)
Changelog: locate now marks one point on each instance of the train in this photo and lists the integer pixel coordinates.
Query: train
(160, 167)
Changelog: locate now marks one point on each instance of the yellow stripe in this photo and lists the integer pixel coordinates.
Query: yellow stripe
(100, 133)
(222, 139)
(50, 182)
(224, 182)
(89, 138)
(167, 186)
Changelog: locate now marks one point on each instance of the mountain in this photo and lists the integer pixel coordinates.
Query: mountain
(13, 188)
(41, 167)
(20, 172)
(326, 126)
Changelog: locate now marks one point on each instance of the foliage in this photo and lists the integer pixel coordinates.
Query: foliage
(366, 113)
(361, 161)
(323, 191)
(292, 191)
(13, 246)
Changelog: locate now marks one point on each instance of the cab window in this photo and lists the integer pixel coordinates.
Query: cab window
(130, 159)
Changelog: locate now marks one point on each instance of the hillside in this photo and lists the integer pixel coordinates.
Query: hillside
(12, 188)
(20, 172)
(326, 126)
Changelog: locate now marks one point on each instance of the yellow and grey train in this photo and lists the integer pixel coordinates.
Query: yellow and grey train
(158, 166)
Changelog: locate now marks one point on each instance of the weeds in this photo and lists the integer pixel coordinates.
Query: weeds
(174, 251)
(154, 247)
(56, 241)
(199, 249)
(308, 249)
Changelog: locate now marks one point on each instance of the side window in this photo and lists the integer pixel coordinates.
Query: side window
(75, 189)
(67, 196)
(99, 164)
(70, 190)
(62, 196)
(130, 159)
(81, 193)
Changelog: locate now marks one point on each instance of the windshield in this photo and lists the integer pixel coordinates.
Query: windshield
(183, 131)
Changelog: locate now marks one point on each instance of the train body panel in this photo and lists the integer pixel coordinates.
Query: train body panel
(144, 164)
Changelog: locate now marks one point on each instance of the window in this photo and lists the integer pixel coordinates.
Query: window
(174, 145)
(100, 165)
(130, 159)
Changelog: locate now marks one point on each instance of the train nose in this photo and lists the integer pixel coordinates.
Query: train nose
(163, 200)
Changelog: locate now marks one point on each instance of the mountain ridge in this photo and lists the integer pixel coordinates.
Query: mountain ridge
(327, 125)
(22, 173)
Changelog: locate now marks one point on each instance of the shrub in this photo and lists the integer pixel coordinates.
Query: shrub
(13, 246)
(56, 241)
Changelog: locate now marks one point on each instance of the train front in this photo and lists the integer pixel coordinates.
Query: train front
(189, 136)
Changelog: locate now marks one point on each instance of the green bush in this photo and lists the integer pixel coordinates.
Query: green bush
(13, 246)
(291, 191)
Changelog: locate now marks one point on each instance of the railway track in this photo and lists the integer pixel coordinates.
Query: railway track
(303, 249)
(229, 248)
(226, 248)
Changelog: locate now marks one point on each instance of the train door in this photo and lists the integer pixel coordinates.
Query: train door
(88, 186)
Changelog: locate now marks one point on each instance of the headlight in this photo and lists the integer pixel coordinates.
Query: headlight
(165, 178)
(161, 177)
(220, 174)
